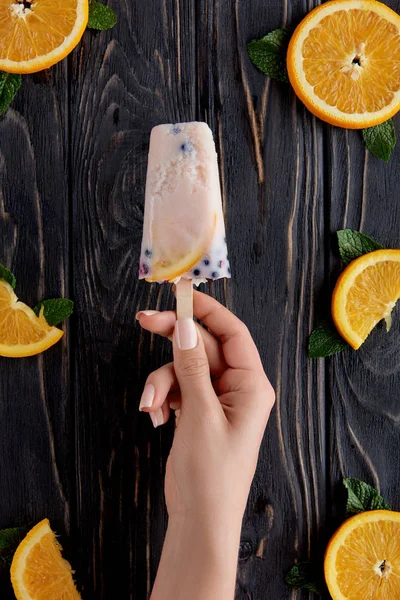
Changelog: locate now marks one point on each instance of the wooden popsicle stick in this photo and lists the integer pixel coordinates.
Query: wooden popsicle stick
(184, 299)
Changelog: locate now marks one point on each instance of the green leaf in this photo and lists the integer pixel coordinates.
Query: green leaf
(353, 244)
(325, 341)
(304, 575)
(55, 311)
(9, 86)
(381, 139)
(7, 276)
(9, 542)
(362, 497)
(101, 16)
(269, 53)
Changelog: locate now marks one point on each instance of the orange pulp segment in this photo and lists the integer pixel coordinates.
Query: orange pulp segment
(344, 62)
(38, 570)
(365, 293)
(22, 333)
(35, 35)
(362, 560)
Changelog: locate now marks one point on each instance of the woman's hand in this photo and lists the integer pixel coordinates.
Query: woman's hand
(223, 400)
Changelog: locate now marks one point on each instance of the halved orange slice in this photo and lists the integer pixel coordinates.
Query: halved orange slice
(362, 560)
(365, 293)
(22, 333)
(38, 570)
(37, 34)
(174, 251)
(344, 62)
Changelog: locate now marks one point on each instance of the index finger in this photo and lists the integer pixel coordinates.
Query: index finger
(238, 346)
(163, 323)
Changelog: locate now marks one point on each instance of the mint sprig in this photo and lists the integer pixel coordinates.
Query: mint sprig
(304, 575)
(325, 340)
(353, 244)
(269, 53)
(9, 542)
(55, 311)
(8, 276)
(381, 139)
(362, 497)
(101, 17)
(9, 86)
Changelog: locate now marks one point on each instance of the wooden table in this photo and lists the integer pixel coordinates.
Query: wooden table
(73, 148)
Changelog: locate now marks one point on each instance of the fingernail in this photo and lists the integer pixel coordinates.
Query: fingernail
(157, 417)
(186, 334)
(147, 398)
(147, 313)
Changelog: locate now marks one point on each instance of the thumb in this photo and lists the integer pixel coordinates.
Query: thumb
(190, 361)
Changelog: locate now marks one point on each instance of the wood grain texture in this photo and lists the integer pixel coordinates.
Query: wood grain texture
(36, 428)
(126, 81)
(283, 208)
(73, 155)
(363, 427)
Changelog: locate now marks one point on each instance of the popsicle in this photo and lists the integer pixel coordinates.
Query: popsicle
(184, 230)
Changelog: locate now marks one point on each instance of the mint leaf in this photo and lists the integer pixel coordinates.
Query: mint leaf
(101, 16)
(9, 86)
(381, 139)
(325, 341)
(9, 542)
(7, 276)
(353, 244)
(362, 497)
(55, 311)
(269, 53)
(304, 575)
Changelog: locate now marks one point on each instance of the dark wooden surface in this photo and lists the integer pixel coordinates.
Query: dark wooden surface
(73, 147)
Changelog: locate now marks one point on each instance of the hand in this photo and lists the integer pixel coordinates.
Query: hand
(222, 417)
(224, 399)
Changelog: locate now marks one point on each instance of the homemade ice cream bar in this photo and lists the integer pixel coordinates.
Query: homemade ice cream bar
(184, 230)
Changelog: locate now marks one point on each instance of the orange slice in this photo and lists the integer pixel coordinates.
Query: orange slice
(22, 333)
(365, 293)
(173, 250)
(36, 35)
(38, 571)
(362, 560)
(344, 62)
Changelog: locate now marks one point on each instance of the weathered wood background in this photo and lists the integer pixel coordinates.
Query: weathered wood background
(73, 147)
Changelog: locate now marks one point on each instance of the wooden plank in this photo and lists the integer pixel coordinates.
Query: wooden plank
(288, 183)
(272, 159)
(125, 81)
(35, 424)
(364, 385)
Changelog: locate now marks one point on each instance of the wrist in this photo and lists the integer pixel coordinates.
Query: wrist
(199, 558)
(214, 533)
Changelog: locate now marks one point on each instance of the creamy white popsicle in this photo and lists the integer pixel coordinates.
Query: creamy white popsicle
(184, 230)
